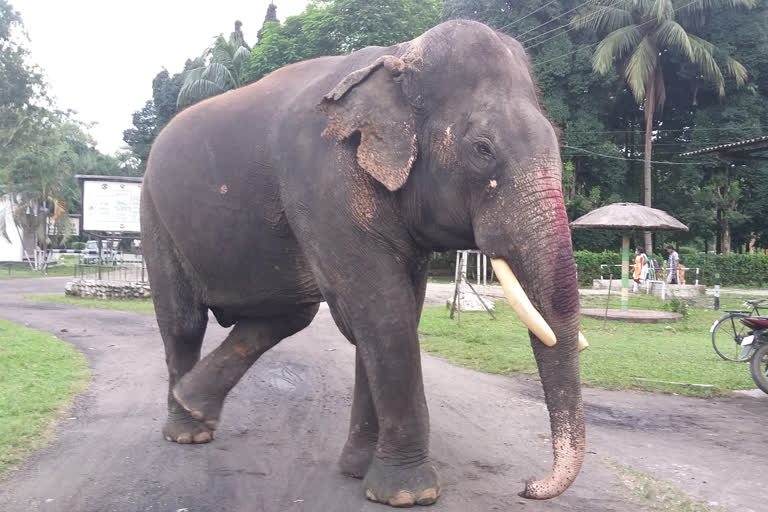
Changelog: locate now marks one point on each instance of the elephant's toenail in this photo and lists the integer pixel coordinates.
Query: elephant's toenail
(369, 494)
(202, 437)
(402, 499)
(428, 497)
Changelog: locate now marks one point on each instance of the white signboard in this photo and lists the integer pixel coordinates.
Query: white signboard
(111, 206)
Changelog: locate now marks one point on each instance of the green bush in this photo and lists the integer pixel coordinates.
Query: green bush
(677, 305)
(749, 270)
(78, 246)
(588, 265)
(734, 269)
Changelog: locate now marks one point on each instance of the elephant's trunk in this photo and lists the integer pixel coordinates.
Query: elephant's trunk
(547, 273)
(559, 370)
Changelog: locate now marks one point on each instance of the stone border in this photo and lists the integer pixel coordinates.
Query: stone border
(91, 288)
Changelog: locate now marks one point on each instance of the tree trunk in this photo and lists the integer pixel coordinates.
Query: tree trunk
(650, 100)
(725, 244)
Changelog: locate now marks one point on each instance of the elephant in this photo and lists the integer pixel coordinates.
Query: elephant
(334, 180)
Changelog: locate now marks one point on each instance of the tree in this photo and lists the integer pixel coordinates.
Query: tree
(39, 182)
(156, 113)
(165, 92)
(140, 137)
(340, 27)
(21, 85)
(221, 68)
(271, 17)
(641, 35)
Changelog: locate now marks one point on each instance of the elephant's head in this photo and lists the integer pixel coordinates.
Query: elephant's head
(450, 123)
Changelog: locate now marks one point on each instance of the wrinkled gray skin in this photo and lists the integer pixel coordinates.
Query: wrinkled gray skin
(333, 180)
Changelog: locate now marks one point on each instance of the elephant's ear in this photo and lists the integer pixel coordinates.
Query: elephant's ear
(371, 101)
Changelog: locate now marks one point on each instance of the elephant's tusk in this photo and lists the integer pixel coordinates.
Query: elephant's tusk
(521, 304)
(582, 342)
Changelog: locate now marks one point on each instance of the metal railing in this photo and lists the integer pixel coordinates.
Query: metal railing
(664, 272)
(133, 270)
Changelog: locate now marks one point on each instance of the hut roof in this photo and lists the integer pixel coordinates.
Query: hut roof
(628, 217)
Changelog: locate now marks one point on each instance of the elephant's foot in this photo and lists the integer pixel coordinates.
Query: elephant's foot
(402, 486)
(183, 429)
(356, 458)
(199, 403)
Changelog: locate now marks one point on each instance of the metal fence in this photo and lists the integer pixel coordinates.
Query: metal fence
(661, 274)
(134, 271)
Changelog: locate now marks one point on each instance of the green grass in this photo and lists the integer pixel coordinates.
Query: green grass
(677, 352)
(39, 375)
(136, 305)
(65, 267)
(619, 353)
(655, 495)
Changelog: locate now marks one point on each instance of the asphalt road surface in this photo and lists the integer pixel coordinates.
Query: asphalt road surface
(284, 425)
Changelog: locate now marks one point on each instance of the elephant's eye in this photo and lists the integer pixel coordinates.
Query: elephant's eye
(484, 150)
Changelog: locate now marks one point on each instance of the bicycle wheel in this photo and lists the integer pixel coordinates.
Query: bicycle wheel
(727, 334)
(758, 367)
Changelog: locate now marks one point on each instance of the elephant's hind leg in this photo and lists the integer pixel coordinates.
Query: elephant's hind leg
(182, 350)
(202, 391)
(182, 319)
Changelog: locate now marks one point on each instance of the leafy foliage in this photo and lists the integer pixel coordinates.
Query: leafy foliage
(340, 27)
(603, 125)
(41, 148)
(221, 68)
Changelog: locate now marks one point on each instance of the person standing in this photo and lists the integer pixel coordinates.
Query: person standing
(673, 260)
(640, 271)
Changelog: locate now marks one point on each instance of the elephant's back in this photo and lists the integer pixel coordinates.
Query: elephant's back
(213, 179)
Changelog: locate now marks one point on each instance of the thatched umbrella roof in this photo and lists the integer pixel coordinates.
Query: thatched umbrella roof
(628, 217)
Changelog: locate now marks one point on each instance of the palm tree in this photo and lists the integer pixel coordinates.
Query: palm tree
(36, 188)
(639, 36)
(220, 69)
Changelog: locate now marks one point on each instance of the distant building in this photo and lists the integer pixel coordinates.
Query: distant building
(13, 250)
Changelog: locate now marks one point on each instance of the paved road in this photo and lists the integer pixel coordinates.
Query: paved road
(285, 423)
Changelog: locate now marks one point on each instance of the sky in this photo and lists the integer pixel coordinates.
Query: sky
(100, 56)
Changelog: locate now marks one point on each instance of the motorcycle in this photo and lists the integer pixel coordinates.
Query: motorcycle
(757, 340)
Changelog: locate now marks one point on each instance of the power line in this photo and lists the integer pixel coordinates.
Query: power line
(529, 14)
(565, 54)
(590, 16)
(633, 159)
(518, 36)
(678, 130)
(595, 44)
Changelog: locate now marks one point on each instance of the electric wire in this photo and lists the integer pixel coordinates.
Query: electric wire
(518, 36)
(625, 159)
(527, 15)
(665, 130)
(590, 16)
(595, 44)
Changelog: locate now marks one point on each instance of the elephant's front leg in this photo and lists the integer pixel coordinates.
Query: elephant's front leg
(363, 427)
(401, 472)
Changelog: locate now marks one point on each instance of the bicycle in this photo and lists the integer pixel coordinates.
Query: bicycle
(728, 332)
(758, 367)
